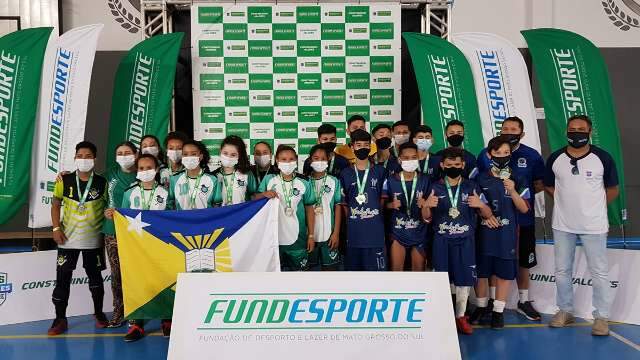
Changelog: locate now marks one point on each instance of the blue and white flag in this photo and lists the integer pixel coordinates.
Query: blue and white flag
(154, 246)
(62, 114)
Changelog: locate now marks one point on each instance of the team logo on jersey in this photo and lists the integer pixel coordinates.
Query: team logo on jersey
(241, 183)
(589, 173)
(465, 197)
(522, 162)
(327, 189)
(61, 260)
(204, 189)
(374, 182)
(296, 192)
(159, 199)
(93, 194)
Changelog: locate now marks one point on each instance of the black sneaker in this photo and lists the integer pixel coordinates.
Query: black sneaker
(135, 333)
(478, 315)
(497, 320)
(526, 309)
(490, 305)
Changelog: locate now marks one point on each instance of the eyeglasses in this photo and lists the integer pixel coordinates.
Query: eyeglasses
(574, 169)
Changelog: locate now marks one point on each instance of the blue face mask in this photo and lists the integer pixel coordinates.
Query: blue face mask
(424, 144)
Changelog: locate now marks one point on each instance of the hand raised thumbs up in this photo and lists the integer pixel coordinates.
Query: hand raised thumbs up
(395, 203)
(432, 200)
(474, 200)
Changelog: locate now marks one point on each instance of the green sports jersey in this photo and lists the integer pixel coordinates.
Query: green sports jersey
(296, 193)
(81, 224)
(187, 193)
(241, 187)
(328, 194)
(118, 181)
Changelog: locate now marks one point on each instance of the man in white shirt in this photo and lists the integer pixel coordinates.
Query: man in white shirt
(582, 180)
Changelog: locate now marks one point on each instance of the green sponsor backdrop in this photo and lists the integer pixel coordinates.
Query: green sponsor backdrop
(277, 72)
(574, 81)
(21, 57)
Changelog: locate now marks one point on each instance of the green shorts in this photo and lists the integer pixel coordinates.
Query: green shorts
(293, 257)
(322, 254)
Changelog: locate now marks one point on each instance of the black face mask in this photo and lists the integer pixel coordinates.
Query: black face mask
(383, 143)
(452, 172)
(329, 146)
(362, 153)
(577, 139)
(455, 140)
(514, 139)
(500, 162)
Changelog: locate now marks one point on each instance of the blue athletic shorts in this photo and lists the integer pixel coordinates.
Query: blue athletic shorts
(365, 259)
(506, 269)
(457, 257)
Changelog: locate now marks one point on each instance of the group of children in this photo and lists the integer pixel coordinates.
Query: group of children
(381, 201)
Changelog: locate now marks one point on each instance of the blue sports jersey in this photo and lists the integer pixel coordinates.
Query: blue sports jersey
(365, 224)
(470, 165)
(408, 230)
(500, 242)
(432, 167)
(443, 224)
(392, 165)
(527, 164)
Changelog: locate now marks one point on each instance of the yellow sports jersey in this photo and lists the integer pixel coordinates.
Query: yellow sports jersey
(347, 152)
(82, 224)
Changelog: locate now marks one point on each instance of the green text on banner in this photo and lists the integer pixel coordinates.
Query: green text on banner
(142, 91)
(574, 81)
(447, 91)
(21, 56)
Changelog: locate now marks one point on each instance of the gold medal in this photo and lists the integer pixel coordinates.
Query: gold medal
(82, 208)
(504, 174)
(454, 212)
(361, 199)
(318, 209)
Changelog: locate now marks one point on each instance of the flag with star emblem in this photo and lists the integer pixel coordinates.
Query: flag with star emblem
(154, 246)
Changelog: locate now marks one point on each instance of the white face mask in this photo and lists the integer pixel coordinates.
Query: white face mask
(151, 150)
(287, 168)
(146, 175)
(401, 139)
(125, 161)
(84, 165)
(424, 144)
(228, 161)
(409, 165)
(319, 166)
(174, 155)
(262, 160)
(191, 162)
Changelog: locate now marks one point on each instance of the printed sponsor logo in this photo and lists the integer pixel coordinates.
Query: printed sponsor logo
(494, 88)
(139, 100)
(59, 94)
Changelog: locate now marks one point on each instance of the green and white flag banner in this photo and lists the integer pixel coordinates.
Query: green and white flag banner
(21, 56)
(574, 81)
(275, 72)
(62, 114)
(142, 92)
(446, 86)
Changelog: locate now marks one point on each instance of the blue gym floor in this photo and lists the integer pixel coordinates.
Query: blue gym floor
(520, 339)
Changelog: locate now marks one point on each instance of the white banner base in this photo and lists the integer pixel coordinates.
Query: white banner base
(26, 284)
(316, 315)
(624, 267)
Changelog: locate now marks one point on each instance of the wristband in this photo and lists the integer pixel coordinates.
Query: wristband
(310, 235)
(57, 228)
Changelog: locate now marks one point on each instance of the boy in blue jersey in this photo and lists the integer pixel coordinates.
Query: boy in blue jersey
(507, 195)
(384, 156)
(452, 208)
(362, 196)
(405, 193)
(454, 131)
(423, 138)
(526, 163)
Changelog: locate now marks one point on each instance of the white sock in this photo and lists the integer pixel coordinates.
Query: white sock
(453, 289)
(482, 302)
(462, 294)
(498, 306)
(492, 291)
(524, 295)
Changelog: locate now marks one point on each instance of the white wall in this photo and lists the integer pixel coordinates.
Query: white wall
(33, 13)
(507, 17)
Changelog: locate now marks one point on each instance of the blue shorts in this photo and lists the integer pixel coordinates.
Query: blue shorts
(365, 259)
(505, 269)
(457, 257)
(418, 245)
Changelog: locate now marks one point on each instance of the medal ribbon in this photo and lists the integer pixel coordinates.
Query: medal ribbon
(146, 204)
(452, 199)
(193, 193)
(288, 193)
(317, 192)
(228, 187)
(83, 197)
(413, 191)
(361, 184)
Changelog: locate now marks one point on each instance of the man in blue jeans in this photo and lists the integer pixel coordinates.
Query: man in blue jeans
(582, 179)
